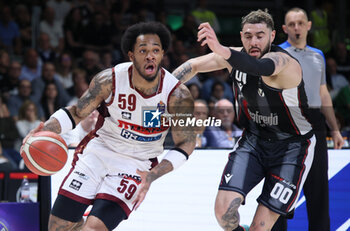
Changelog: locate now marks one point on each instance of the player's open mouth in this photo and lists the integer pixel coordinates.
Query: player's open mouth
(297, 36)
(254, 51)
(150, 68)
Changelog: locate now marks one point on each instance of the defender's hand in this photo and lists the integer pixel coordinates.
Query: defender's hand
(206, 35)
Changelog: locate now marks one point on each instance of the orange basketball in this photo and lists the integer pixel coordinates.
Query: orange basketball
(44, 153)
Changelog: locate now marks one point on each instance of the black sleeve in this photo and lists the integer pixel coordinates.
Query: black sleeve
(243, 62)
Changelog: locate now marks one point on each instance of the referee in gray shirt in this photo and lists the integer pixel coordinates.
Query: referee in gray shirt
(312, 62)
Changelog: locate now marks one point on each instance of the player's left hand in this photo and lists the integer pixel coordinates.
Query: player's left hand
(337, 139)
(206, 35)
(144, 187)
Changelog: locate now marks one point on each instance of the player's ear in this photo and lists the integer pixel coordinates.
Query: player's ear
(273, 35)
(284, 27)
(131, 56)
(309, 24)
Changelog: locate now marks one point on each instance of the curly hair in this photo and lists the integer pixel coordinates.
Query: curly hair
(142, 28)
(258, 16)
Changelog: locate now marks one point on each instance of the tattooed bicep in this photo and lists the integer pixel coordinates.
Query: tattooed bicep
(99, 89)
(280, 59)
(181, 100)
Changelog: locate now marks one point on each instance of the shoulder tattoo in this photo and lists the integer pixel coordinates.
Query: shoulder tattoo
(99, 89)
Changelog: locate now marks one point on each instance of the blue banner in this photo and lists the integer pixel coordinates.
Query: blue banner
(19, 216)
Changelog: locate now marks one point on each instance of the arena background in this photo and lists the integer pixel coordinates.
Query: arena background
(185, 199)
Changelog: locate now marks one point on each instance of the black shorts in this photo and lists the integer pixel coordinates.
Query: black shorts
(283, 164)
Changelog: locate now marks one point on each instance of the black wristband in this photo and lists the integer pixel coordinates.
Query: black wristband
(70, 116)
(182, 151)
(250, 65)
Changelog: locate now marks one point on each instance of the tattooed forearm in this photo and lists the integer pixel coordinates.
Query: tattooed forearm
(161, 169)
(230, 220)
(183, 72)
(52, 125)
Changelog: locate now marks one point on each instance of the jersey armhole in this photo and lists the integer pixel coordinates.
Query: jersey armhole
(110, 98)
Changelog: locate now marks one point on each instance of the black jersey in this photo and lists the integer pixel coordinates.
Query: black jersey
(268, 112)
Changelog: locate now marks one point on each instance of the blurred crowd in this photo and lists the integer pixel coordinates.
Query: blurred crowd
(51, 49)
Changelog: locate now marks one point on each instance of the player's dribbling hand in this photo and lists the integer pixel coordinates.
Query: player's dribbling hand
(144, 187)
(35, 130)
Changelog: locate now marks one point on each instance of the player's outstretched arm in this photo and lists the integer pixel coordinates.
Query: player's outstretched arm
(181, 106)
(201, 64)
(66, 118)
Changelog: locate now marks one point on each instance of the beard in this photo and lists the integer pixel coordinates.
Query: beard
(266, 49)
(145, 77)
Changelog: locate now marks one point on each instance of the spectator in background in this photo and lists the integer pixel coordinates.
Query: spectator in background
(27, 118)
(200, 111)
(117, 32)
(74, 136)
(342, 104)
(64, 70)
(336, 80)
(73, 32)
(24, 93)
(32, 66)
(79, 90)
(178, 50)
(226, 135)
(106, 60)
(98, 34)
(342, 57)
(4, 63)
(187, 33)
(61, 8)
(9, 32)
(23, 20)
(78, 78)
(45, 51)
(8, 136)
(91, 64)
(203, 14)
(50, 100)
(195, 90)
(5, 163)
(49, 76)
(126, 13)
(217, 91)
(9, 84)
(221, 76)
(54, 29)
(211, 107)
(85, 8)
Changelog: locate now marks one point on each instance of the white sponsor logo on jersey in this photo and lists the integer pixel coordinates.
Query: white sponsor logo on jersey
(228, 177)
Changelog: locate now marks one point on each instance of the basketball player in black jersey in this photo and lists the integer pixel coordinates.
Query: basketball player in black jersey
(271, 105)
